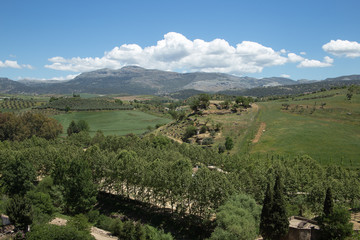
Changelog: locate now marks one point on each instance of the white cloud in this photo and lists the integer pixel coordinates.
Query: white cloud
(67, 77)
(13, 64)
(61, 78)
(316, 63)
(176, 52)
(292, 57)
(343, 48)
(9, 64)
(302, 53)
(285, 76)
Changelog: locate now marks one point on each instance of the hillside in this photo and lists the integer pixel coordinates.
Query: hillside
(305, 87)
(132, 80)
(136, 80)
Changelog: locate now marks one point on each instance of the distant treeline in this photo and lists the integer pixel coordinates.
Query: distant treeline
(80, 104)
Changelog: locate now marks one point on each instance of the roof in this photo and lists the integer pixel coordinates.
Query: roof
(302, 223)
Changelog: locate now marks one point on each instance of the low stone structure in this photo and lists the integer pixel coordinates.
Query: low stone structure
(301, 228)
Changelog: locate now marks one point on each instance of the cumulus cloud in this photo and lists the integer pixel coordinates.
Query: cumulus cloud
(13, 64)
(342, 48)
(292, 57)
(316, 63)
(177, 53)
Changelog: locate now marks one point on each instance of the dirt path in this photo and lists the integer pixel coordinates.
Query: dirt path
(259, 133)
(355, 219)
(98, 233)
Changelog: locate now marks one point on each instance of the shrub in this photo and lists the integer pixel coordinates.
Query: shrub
(207, 141)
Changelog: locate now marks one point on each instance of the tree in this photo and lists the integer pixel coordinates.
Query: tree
(278, 212)
(229, 144)
(83, 126)
(274, 223)
(204, 101)
(19, 176)
(349, 96)
(238, 218)
(336, 225)
(80, 191)
(328, 203)
(73, 128)
(80, 126)
(266, 226)
(189, 132)
(19, 210)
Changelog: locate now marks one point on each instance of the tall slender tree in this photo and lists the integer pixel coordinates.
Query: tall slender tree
(278, 212)
(328, 203)
(266, 226)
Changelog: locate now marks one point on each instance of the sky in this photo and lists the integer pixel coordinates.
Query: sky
(42, 39)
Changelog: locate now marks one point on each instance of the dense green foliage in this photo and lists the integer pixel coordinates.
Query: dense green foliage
(54, 232)
(76, 127)
(80, 104)
(157, 171)
(19, 210)
(20, 127)
(336, 225)
(238, 218)
(274, 222)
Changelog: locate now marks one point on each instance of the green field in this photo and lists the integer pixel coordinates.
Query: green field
(330, 134)
(113, 122)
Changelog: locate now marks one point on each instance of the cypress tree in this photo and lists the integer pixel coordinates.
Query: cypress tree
(266, 227)
(328, 203)
(279, 218)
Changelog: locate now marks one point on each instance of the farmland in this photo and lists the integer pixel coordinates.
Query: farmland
(113, 122)
(327, 129)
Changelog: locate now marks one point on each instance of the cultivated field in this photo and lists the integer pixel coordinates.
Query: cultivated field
(113, 122)
(330, 132)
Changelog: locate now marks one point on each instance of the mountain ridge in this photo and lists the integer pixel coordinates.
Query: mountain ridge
(135, 80)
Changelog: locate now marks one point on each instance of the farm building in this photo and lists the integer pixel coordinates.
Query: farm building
(302, 229)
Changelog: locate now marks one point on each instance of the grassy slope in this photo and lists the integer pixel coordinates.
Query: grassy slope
(328, 135)
(239, 127)
(113, 122)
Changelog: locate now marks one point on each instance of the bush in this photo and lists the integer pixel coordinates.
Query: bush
(93, 216)
(105, 222)
(203, 129)
(229, 144)
(208, 141)
(189, 132)
(54, 232)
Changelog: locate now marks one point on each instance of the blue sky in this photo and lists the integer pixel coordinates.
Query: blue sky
(298, 39)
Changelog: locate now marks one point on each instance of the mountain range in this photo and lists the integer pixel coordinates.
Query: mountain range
(135, 80)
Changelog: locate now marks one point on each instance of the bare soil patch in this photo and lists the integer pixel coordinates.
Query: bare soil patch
(259, 132)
